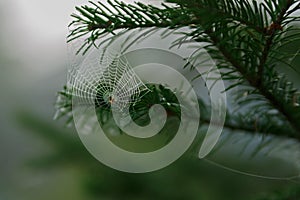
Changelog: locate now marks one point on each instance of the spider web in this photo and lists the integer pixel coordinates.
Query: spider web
(104, 79)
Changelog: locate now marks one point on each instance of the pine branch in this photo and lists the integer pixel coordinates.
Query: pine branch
(255, 80)
(238, 11)
(246, 36)
(271, 33)
(98, 19)
(239, 123)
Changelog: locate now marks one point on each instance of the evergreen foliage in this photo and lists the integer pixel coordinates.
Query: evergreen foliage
(247, 39)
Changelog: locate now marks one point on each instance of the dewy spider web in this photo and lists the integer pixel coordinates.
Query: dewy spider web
(105, 79)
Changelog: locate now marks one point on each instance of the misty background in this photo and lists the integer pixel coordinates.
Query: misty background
(33, 63)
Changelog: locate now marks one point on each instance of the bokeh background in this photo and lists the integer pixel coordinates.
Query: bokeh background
(43, 159)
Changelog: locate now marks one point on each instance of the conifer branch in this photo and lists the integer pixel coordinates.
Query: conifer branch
(270, 34)
(226, 24)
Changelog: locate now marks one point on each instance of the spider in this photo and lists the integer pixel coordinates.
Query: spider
(111, 99)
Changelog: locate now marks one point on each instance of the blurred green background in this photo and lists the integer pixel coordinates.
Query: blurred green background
(42, 159)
